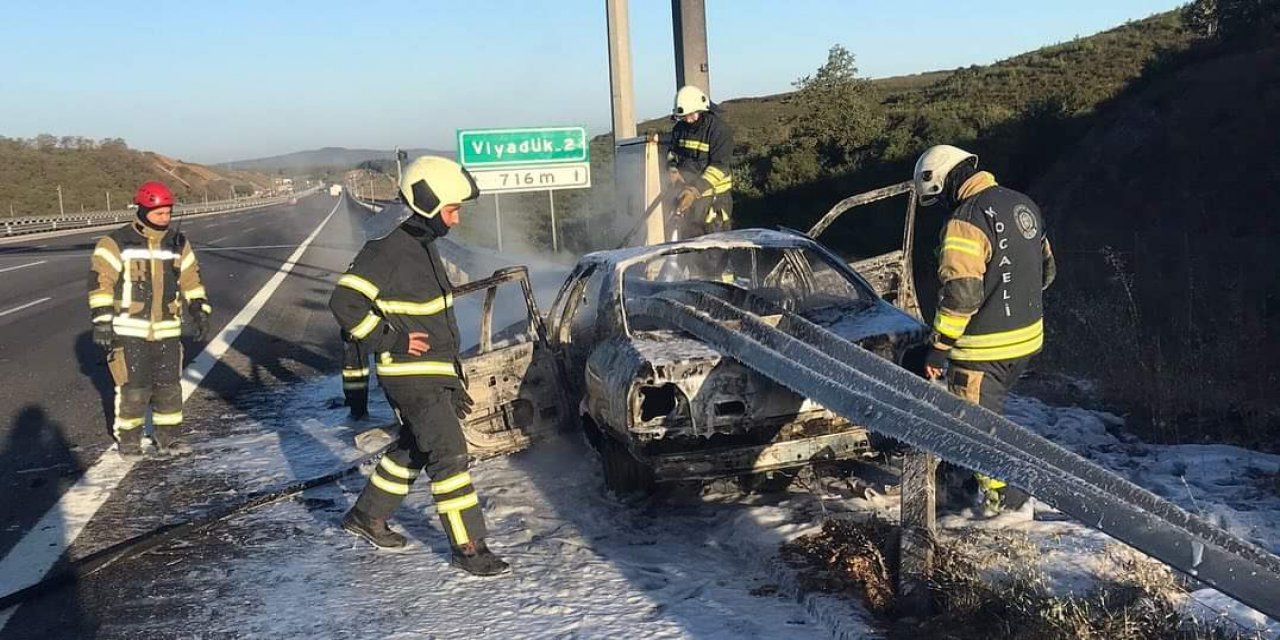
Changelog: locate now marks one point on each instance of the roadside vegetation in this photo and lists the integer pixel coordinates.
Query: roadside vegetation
(992, 585)
(32, 170)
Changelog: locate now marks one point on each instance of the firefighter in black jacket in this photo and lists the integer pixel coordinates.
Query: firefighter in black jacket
(142, 277)
(698, 164)
(396, 300)
(994, 263)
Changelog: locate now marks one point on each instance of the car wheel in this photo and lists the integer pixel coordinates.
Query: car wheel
(623, 474)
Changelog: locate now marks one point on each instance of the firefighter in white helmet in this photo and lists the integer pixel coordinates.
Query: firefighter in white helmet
(397, 302)
(699, 160)
(994, 264)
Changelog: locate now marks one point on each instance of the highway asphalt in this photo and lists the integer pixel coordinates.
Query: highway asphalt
(56, 394)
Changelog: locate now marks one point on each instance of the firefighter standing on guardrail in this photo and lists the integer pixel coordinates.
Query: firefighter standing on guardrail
(143, 276)
(698, 164)
(994, 264)
(397, 301)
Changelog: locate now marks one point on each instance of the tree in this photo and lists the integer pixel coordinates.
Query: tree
(1229, 19)
(1201, 17)
(838, 118)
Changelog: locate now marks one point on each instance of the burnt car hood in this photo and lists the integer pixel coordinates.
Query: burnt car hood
(870, 327)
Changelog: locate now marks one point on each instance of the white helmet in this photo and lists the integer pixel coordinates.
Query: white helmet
(690, 99)
(430, 182)
(932, 168)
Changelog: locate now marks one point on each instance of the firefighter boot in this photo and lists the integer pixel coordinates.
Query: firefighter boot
(130, 444)
(476, 558)
(169, 443)
(375, 530)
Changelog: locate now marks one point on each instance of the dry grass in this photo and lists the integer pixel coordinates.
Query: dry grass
(849, 558)
(989, 585)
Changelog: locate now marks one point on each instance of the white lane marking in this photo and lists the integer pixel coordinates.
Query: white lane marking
(200, 367)
(250, 248)
(23, 306)
(23, 266)
(40, 548)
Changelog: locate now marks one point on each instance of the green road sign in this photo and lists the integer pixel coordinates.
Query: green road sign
(505, 147)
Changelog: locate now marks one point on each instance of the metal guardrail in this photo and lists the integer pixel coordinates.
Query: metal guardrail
(37, 224)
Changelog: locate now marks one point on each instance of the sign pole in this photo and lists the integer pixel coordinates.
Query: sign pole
(497, 211)
(555, 245)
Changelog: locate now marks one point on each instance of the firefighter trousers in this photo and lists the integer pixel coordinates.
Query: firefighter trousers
(987, 385)
(708, 214)
(355, 377)
(147, 376)
(431, 440)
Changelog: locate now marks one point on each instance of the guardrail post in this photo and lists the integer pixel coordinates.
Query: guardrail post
(919, 532)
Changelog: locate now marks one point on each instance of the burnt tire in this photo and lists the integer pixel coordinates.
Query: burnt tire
(623, 474)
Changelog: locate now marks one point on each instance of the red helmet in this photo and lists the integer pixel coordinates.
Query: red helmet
(153, 194)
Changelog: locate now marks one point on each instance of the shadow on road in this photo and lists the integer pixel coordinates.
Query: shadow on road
(93, 365)
(47, 617)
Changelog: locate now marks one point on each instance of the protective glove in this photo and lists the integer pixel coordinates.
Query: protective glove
(685, 199)
(418, 344)
(103, 335)
(462, 403)
(935, 362)
(200, 318)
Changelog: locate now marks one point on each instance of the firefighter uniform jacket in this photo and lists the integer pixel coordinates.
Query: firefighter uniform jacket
(702, 152)
(995, 261)
(397, 285)
(139, 278)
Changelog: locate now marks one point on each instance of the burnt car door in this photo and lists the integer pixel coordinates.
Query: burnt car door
(889, 273)
(511, 373)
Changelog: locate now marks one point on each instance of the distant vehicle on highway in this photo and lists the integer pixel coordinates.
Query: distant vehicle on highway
(335, 190)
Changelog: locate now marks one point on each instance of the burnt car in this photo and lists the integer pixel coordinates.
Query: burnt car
(659, 405)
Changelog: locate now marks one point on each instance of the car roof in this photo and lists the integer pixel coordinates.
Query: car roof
(621, 259)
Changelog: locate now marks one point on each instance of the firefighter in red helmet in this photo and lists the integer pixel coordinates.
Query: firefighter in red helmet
(143, 277)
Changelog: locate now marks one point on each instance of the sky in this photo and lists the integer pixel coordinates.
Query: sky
(232, 80)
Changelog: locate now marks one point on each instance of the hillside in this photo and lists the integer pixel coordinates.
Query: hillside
(1165, 220)
(31, 172)
(327, 157)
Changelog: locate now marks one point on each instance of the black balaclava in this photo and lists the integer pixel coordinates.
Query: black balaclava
(956, 179)
(142, 217)
(425, 229)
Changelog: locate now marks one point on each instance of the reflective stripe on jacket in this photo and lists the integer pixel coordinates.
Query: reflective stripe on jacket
(703, 152)
(994, 263)
(396, 286)
(139, 280)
